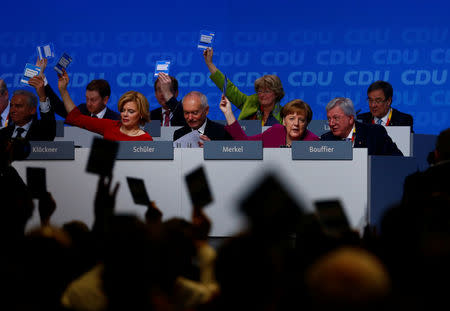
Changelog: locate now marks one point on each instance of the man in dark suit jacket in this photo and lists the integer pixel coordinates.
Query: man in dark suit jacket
(97, 96)
(23, 119)
(166, 93)
(195, 107)
(341, 119)
(420, 187)
(379, 96)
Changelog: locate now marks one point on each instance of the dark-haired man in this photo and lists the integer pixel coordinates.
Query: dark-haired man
(97, 96)
(379, 97)
(166, 92)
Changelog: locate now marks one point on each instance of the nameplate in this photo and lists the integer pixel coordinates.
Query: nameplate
(319, 127)
(233, 150)
(59, 128)
(145, 150)
(322, 150)
(250, 127)
(153, 128)
(51, 150)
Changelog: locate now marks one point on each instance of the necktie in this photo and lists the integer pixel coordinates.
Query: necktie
(94, 116)
(19, 131)
(166, 118)
(379, 121)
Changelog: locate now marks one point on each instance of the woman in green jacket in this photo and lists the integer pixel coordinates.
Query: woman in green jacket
(264, 105)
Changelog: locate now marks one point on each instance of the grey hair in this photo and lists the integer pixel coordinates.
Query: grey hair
(344, 103)
(203, 98)
(3, 87)
(32, 99)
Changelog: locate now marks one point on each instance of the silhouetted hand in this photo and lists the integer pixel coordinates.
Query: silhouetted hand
(46, 207)
(153, 215)
(201, 224)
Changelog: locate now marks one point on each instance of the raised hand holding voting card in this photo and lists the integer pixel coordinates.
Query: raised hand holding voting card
(162, 66)
(205, 40)
(63, 62)
(29, 72)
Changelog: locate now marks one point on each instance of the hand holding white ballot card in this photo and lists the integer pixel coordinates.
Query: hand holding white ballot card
(63, 63)
(45, 51)
(29, 72)
(138, 191)
(102, 157)
(205, 40)
(162, 66)
(198, 188)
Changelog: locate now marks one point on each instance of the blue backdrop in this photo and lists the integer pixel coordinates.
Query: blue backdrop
(319, 49)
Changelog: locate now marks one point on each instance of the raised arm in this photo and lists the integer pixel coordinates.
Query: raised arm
(208, 55)
(63, 81)
(225, 106)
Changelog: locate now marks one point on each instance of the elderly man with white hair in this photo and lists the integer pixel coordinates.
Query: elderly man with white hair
(341, 119)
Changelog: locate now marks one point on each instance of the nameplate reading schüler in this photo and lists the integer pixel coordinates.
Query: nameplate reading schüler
(145, 150)
(51, 150)
(322, 150)
(233, 150)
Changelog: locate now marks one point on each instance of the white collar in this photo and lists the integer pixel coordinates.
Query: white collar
(383, 119)
(201, 129)
(101, 114)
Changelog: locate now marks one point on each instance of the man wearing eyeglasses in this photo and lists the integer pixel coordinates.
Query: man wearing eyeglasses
(379, 97)
(341, 119)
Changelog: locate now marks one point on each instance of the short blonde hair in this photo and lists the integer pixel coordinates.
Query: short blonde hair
(141, 102)
(273, 83)
(297, 105)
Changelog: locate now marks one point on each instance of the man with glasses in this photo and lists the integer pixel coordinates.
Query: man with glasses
(379, 97)
(341, 119)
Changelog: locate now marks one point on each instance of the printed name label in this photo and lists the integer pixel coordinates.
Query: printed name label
(322, 150)
(145, 150)
(233, 150)
(51, 150)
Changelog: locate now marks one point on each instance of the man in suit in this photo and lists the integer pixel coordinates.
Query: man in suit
(23, 118)
(379, 97)
(4, 104)
(341, 119)
(97, 96)
(195, 108)
(421, 187)
(171, 111)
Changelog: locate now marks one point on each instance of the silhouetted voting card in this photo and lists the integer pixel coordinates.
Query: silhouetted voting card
(36, 181)
(102, 157)
(138, 191)
(332, 216)
(198, 187)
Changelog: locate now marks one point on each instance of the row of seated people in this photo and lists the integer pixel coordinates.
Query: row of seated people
(289, 122)
(126, 262)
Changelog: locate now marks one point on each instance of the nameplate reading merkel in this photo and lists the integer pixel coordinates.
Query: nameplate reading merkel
(322, 150)
(51, 150)
(233, 150)
(145, 150)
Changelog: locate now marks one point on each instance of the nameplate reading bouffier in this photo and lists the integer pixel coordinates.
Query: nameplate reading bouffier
(322, 150)
(51, 150)
(145, 150)
(233, 150)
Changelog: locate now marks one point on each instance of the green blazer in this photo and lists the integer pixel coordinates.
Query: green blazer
(249, 105)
